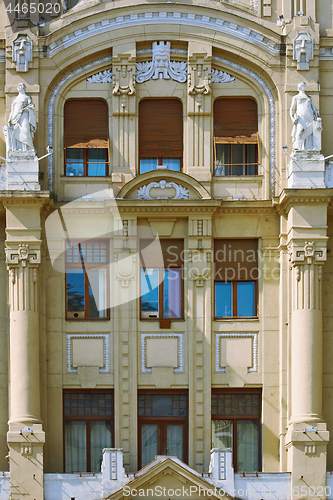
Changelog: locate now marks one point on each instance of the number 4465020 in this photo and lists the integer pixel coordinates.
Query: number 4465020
(32, 8)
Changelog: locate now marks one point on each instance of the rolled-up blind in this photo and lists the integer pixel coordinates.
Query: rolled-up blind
(160, 128)
(236, 259)
(235, 117)
(86, 123)
(171, 254)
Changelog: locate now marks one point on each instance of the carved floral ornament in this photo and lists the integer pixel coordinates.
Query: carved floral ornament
(181, 192)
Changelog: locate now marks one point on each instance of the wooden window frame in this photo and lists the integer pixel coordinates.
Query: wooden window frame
(87, 419)
(76, 316)
(234, 299)
(235, 418)
(86, 163)
(163, 421)
(242, 140)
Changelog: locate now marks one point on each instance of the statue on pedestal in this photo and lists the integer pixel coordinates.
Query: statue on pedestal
(21, 126)
(306, 133)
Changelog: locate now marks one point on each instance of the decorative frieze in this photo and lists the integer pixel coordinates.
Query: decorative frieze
(161, 67)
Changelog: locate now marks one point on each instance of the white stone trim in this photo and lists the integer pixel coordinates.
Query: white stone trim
(183, 18)
(253, 336)
(182, 193)
(326, 54)
(272, 123)
(104, 336)
(179, 336)
(50, 111)
(101, 77)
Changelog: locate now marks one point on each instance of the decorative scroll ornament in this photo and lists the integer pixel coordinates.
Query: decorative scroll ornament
(22, 52)
(161, 67)
(303, 50)
(123, 81)
(219, 76)
(199, 80)
(181, 192)
(101, 77)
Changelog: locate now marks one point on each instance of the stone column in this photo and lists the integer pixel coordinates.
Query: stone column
(25, 437)
(199, 308)
(307, 437)
(124, 312)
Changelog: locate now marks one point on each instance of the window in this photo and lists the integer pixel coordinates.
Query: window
(236, 278)
(160, 134)
(88, 428)
(86, 137)
(236, 143)
(87, 280)
(236, 425)
(162, 282)
(162, 425)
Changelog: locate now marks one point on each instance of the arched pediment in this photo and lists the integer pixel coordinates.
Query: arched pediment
(163, 184)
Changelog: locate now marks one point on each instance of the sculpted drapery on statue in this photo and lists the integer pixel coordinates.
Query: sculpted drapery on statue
(306, 133)
(21, 126)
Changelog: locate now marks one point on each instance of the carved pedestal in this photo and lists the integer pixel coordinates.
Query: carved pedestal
(306, 169)
(22, 171)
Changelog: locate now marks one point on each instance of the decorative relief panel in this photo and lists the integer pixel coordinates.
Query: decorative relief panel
(162, 336)
(199, 79)
(22, 255)
(219, 76)
(101, 77)
(90, 357)
(161, 67)
(123, 80)
(307, 254)
(22, 52)
(303, 50)
(254, 351)
(165, 191)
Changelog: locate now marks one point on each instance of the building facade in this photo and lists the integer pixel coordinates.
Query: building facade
(165, 266)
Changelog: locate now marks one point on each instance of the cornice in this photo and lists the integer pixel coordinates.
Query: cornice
(290, 197)
(40, 198)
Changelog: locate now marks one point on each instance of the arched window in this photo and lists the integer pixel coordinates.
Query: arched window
(236, 146)
(86, 137)
(160, 134)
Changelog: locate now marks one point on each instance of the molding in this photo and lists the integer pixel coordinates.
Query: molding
(104, 336)
(271, 101)
(179, 336)
(253, 336)
(50, 110)
(180, 17)
(326, 54)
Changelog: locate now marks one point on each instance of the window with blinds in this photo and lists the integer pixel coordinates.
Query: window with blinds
(86, 137)
(162, 290)
(160, 134)
(236, 276)
(236, 141)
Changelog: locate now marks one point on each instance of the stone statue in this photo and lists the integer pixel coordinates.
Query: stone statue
(306, 133)
(22, 52)
(21, 126)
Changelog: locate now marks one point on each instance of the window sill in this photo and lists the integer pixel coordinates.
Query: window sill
(87, 319)
(238, 178)
(84, 179)
(238, 318)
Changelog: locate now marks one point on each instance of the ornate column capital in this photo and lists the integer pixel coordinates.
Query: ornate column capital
(22, 254)
(307, 252)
